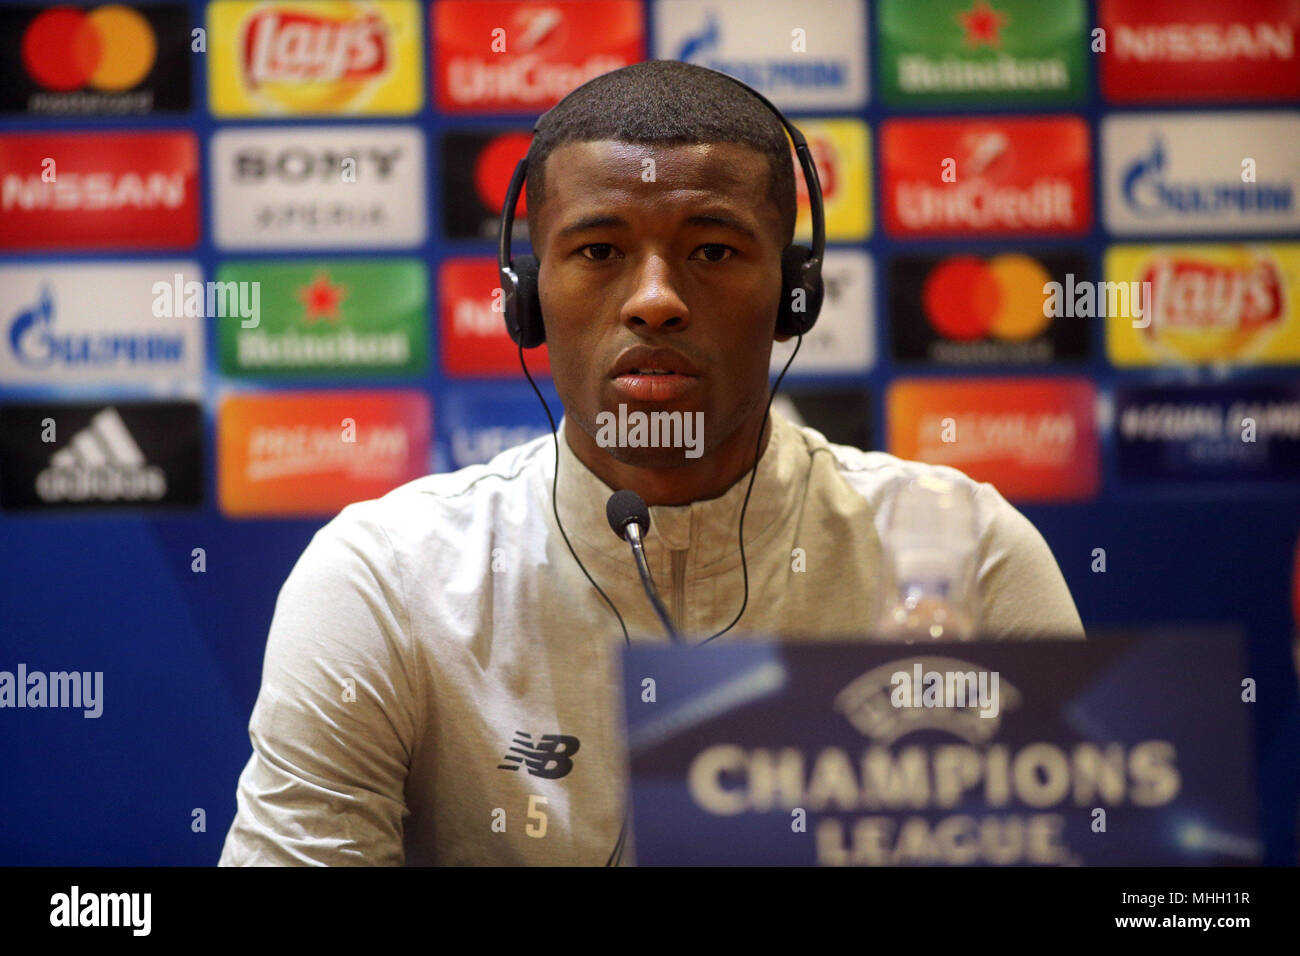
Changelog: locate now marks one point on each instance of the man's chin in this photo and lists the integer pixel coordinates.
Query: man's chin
(653, 457)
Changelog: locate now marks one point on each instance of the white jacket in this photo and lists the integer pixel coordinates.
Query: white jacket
(423, 635)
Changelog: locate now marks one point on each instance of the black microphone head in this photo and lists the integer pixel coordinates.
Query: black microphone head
(624, 508)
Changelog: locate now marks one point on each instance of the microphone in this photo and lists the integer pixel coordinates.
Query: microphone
(630, 519)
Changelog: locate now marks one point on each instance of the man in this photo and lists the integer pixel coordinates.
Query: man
(439, 683)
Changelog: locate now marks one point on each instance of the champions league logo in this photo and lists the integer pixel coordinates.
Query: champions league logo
(927, 693)
(980, 799)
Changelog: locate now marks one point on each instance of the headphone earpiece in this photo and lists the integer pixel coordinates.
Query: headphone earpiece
(802, 291)
(523, 305)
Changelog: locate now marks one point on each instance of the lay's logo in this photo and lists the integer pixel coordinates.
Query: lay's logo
(315, 58)
(1209, 304)
(304, 48)
(1250, 296)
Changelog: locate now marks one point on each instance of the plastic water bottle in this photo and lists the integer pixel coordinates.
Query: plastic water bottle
(928, 564)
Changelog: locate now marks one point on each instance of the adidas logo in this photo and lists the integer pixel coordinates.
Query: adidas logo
(102, 462)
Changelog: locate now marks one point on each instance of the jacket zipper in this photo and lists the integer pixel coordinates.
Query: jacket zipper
(679, 589)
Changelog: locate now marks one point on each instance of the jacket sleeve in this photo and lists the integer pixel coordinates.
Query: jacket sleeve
(333, 727)
(1024, 592)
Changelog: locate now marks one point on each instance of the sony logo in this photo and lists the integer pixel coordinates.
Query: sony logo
(301, 164)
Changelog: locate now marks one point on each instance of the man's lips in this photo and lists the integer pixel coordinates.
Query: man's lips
(656, 387)
(644, 361)
(647, 374)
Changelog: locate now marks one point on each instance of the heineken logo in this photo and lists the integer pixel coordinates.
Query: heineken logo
(982, 49)
(321, 298)
(982, 24)
(332, 318)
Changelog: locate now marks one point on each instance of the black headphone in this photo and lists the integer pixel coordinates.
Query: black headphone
(801, 271)
(801, 267)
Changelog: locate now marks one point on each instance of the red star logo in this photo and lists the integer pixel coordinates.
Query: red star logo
(982, 24)
(321, 298)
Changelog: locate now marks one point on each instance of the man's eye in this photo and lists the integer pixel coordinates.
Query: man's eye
(712, 250)
(604, 247)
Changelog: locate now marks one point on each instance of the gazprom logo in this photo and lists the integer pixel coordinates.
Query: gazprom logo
(31, 326)
(37, 344)
(1149, 191)
(803, 72)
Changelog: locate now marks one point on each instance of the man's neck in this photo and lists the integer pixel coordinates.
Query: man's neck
(709, 477)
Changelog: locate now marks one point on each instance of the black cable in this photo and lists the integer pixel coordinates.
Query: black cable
(622, 832)
(744, 570)
(618, 847)
(555, 509)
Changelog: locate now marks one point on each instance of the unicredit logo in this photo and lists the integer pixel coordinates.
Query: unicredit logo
(1003, 175)
(1048, 203)
(525, 55)
(973, 201)
(531, 74)
(530, 78)
(295, 47)
(110, 48)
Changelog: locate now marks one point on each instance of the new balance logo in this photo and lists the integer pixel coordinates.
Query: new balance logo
(551, 757)
(102, 462)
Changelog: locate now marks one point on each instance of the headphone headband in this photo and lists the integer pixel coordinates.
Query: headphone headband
(800, 266)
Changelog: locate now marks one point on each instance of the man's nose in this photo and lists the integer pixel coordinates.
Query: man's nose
(655, 302)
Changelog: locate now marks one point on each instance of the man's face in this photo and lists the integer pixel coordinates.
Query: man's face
(689, 261)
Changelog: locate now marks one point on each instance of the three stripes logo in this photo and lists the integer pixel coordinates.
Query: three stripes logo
(101, 462)
(79, 454)
(551, 757)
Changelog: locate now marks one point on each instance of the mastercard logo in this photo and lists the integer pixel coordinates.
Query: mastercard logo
(967, 298)
(110, 48)
(494, 167)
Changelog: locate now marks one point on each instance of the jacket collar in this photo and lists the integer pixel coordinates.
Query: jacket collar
(708, 530)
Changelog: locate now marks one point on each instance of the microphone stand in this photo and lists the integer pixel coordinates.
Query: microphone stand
(632, 534)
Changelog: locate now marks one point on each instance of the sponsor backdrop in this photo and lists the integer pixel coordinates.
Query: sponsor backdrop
(246, 277)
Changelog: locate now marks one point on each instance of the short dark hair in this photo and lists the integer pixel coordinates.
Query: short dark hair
(672, 103)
